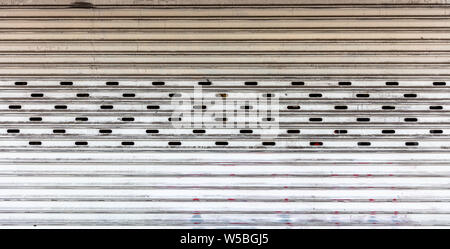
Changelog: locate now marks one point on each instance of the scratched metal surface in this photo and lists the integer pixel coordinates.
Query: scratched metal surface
(87, 92)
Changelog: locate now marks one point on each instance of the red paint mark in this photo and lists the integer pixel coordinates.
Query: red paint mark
(394, 199)
(230, 199)
(396, 212)
(196, 199)
(371, 200)
(356, 175)
(373, 212)
(286, 199)
(285, 186)
(337, 223)
(232, 174)
(336, 212)
(369, 174)
(288, 223)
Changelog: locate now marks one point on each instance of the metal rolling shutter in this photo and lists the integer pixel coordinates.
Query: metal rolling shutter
(87, 92)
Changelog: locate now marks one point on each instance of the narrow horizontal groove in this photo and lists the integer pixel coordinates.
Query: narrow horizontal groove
(203, 59)
(230, 35)
(362, 46)
(224, 11)
(222, 23)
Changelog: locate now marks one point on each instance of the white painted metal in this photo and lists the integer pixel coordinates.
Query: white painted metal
(88, 92)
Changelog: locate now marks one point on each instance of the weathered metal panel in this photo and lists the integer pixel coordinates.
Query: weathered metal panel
(312, 113)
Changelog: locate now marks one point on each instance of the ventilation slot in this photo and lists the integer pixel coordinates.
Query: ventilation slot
(315, 95)
(35, 143)
(198, 131)
(293, 107)
(66, 83)
(410, 95)
(106, 107)
(174, 143)
(81, 119)
(60, 107)
(127, 143)
(152, 131)
(82, 95)
(293, 131)
(363, 119)
(364, 143)
(20, 83)
(341, 107)
(411, 143)
(59, 131)
(345, 83)
(128, 119)
(222, 143)
(315, 119)
(15, 107)
(128, 95)
(436, 107)
(316, 143)
(112, 83)
(392, 83)
(246, 131)
(37, 95)
(297, 83)
(362, 95)
(13, 131)
(268, 143)
(80, 143)
(436, 131)
(439, 83)
(340, 131)
(35, 119)
(388, 131)
(204, 83)
(388, 107)
(197, 107)
(251, 83)
(410, 119)
(158, 83)
(105, 131)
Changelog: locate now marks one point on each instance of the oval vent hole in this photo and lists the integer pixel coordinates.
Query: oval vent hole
(35, 119)
(37, 95)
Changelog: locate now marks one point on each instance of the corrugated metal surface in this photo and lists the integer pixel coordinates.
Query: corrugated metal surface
(88, 93)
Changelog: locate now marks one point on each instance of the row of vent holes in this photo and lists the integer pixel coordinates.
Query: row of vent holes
(222, 143)
(130, 119)
(247, 83)
(107, 131)
(267, 95)
(157, 107)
